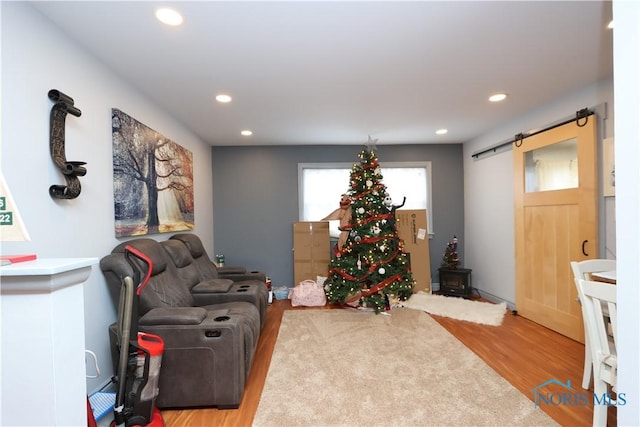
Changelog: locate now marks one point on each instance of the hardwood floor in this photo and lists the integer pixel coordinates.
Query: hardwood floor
(523, 352)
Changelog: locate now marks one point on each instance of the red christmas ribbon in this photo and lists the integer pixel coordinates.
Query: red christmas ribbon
(361, 195)
(375, 289)
(370, 270)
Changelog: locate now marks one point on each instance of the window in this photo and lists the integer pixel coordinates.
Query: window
(553, 167)
(320, 186)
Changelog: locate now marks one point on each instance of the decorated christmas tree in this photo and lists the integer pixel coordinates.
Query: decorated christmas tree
(370, 267)
(450, 258)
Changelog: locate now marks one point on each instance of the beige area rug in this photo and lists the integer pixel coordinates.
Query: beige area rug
(485, 313)
(355, 368)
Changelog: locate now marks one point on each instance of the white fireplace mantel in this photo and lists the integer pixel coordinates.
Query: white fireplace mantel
(43, 365)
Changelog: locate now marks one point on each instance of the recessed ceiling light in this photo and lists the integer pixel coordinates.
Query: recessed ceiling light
(246, 133)
(169, 16)
(610, 26)
(498, 97)
(441, 131)
(223, 98)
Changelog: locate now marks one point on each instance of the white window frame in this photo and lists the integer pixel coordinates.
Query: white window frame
(332, 204)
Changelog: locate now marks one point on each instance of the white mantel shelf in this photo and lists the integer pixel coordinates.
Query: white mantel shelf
(46, 266)
(36, 275)
(43, 365)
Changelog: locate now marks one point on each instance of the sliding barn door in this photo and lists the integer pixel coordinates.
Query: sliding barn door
(556, 222)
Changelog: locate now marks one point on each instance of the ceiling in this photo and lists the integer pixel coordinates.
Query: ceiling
(330, 72)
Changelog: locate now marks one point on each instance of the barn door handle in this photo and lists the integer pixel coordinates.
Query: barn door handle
(584, 242)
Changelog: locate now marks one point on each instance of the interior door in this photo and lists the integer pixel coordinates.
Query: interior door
(556, 222)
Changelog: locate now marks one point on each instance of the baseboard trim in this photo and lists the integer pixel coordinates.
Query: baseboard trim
(494, 298)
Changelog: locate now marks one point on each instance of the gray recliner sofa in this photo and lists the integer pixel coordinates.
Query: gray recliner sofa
(208, 269)
(247, 285)
(207, 290)
(209, 348)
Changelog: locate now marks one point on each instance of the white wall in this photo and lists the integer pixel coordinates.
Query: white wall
(488, 190)
(37, 57)
(626, 64)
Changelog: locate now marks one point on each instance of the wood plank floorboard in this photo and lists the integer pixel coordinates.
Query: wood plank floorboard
(523, 352)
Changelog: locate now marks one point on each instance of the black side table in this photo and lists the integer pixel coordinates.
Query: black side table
(455, 282)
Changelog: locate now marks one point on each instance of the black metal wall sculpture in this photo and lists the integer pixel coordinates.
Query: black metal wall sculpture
(70, 170)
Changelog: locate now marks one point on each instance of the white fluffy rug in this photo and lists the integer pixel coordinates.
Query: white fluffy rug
(485, 313)
(348, 368)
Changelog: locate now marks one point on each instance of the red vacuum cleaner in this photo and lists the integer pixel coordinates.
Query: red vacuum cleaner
(139, 354)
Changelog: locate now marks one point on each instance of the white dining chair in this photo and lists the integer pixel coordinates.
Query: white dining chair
(582, 270)
(602, 330)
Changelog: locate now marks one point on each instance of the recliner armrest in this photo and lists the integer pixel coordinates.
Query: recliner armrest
(231, 270)
(173, 316)
(241, 277)
(212, 286)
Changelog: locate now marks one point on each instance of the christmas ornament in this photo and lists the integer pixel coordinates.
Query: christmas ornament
(343, 214)
(391, 208)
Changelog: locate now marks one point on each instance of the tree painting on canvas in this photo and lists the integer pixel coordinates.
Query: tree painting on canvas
(152, 180)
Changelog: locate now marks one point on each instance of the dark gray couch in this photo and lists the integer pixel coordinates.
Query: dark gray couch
(193, 264)
(210, 339)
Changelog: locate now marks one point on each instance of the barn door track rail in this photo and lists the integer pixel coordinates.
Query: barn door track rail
(581, 118)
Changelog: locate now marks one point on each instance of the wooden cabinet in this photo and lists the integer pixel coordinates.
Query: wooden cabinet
(311, 250)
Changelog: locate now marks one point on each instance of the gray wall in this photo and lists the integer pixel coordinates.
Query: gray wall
(255, 199)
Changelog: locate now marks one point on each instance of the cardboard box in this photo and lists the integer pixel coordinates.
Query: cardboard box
(311, 250)
(412, 228)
